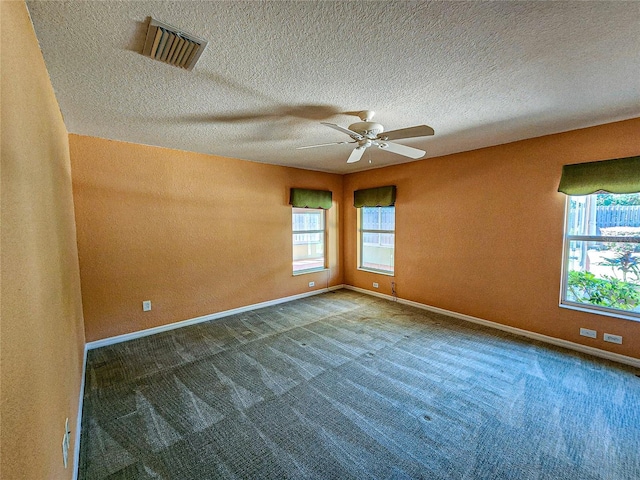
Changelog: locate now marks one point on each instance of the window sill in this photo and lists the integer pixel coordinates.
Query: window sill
(381, 272)
(597, 311)
(311, 270)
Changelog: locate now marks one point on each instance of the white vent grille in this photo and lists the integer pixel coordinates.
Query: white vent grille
(170, 45)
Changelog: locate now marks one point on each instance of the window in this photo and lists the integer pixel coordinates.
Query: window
(602, 254)
(377, 238)
(308, 240)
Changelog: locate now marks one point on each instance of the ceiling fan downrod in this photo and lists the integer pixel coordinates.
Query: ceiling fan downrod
(366, 115)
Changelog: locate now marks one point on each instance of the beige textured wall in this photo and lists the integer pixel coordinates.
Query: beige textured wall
(42, 331)
(480, 232)
(195, 234)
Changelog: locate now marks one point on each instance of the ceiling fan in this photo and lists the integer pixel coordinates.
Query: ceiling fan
(369, 134)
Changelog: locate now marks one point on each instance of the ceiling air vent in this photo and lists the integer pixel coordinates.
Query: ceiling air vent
(170, 45)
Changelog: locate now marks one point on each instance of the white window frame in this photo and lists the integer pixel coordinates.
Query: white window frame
(568, 238)
(323, 233)
(361, 234)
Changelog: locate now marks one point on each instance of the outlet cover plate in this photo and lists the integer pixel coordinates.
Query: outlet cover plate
(66, 441)
(585, 332)
(610, 337)
(146, 305)
(312, 284)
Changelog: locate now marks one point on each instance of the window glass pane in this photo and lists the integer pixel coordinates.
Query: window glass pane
(604, 214)
(378, 218)
(307, 219)
(308, 239)
(376, 248)
(604, 271)
(379, 256)
(606, 274)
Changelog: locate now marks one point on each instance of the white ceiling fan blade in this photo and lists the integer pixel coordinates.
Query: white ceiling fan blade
(401, 149)
(410, 132)
(351, 133)
(322, 145)
(356, 155)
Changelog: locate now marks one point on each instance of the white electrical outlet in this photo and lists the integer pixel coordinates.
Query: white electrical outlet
(66, 440)
(609, 337)
(312, 284)
(146, 305)
(375, 284)
(585, 332)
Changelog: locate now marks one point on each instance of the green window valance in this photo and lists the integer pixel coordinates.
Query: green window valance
(375, 197)
(305, 198)
(621, 175)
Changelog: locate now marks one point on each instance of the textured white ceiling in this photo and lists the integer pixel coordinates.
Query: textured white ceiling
(479, 73)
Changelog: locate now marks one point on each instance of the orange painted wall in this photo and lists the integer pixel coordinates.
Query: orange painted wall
(480, 232)
(42, 333)
(195, 234)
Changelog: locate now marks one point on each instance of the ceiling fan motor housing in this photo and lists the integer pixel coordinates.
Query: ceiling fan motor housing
(367, 129)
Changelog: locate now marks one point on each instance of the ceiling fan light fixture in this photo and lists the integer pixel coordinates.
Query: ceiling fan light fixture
(173, 46)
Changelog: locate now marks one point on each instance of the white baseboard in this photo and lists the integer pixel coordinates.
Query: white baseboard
(76, 448)
(205, 318)
(616, 357)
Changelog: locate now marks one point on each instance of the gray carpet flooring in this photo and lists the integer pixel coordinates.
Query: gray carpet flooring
(348, 386)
